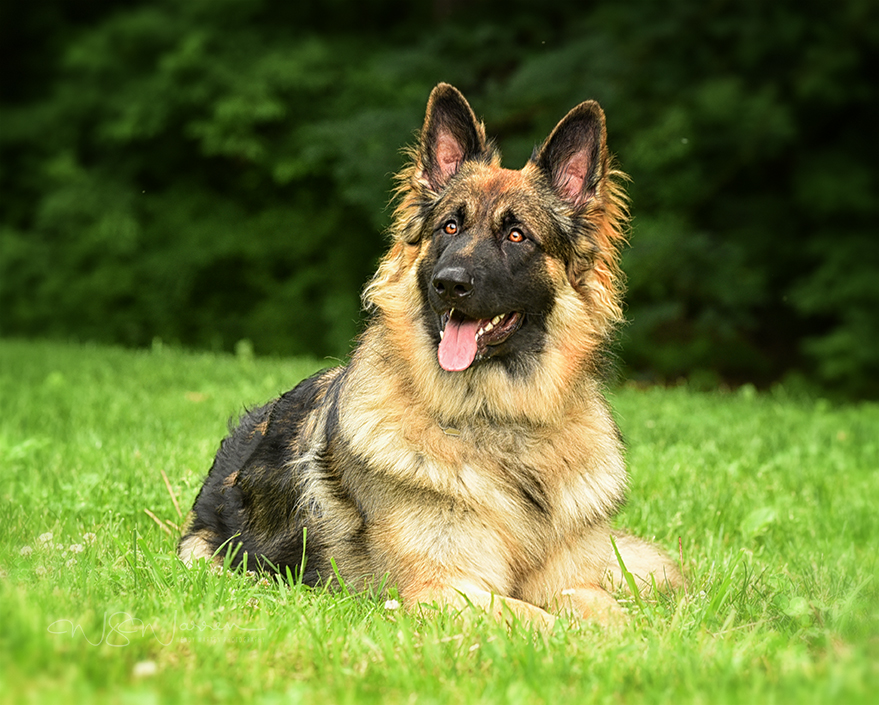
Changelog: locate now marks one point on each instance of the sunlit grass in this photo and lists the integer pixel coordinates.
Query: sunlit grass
(769, 500)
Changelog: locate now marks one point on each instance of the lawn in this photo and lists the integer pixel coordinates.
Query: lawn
(771, 499)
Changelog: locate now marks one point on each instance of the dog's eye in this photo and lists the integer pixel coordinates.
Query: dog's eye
(516, 235)
(450, 228)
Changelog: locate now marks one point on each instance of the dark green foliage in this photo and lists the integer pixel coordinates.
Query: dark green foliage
(213, 170)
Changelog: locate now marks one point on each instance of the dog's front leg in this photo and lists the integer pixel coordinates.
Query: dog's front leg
(502, 608)
(589, 602)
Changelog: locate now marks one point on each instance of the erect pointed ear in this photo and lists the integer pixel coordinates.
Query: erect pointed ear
(574, 156)
(451, 134)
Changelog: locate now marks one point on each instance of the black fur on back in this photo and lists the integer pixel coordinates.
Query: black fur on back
(249, 503)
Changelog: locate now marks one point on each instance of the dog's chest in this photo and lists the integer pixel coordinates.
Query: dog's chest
(488, 502)
(472, 525)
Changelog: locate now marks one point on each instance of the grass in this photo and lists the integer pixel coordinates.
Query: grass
(771, 498)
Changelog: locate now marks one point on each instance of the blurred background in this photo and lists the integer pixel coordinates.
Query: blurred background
(205, 172)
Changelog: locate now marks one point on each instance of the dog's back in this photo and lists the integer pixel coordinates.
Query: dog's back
(248, 508)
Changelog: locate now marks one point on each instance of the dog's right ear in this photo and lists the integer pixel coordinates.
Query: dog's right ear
(574, 157)
(451, 135)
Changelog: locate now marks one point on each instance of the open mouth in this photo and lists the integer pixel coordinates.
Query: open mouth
(462, 338)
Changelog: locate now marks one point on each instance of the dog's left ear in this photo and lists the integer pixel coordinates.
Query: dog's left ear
(574, 156)
(450, 136)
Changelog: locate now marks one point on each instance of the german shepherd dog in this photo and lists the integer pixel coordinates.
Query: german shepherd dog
(465, 454)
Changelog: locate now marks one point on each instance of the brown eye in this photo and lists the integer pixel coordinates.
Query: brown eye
(450, 228)
(516, 235)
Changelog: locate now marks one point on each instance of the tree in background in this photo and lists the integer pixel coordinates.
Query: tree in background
(215, 170)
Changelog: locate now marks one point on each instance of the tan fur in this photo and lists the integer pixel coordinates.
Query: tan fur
(193, 548)
(647, 564)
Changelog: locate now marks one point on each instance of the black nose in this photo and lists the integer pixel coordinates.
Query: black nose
(453, 284)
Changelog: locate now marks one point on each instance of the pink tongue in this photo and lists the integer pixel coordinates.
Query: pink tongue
(457, 349)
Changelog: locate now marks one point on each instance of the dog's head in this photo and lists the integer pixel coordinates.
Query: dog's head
(493, 268)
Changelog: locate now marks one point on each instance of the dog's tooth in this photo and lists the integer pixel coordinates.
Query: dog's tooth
(497, 319)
